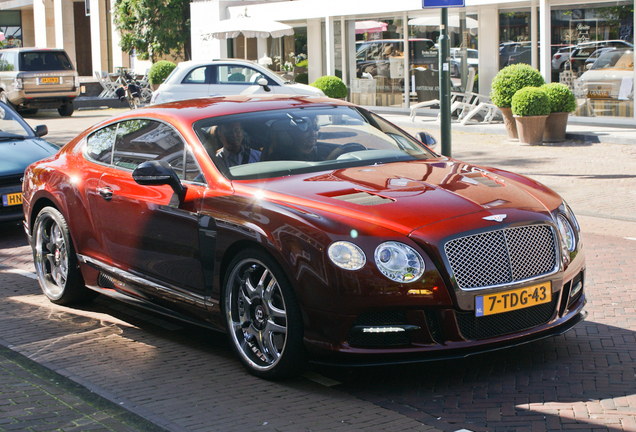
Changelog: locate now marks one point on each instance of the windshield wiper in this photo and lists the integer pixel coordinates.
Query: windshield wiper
(5, 136)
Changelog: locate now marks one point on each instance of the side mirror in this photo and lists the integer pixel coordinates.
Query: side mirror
(41, 130)
(263, 83)
(157, 173)
(589, 66)
(426, 138)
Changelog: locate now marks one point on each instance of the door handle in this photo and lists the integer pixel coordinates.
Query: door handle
(105, 192)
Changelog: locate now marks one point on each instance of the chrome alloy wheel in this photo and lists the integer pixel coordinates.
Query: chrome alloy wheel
(51, 257)
(256, 314)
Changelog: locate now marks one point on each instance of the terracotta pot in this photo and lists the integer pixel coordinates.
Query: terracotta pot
(509, 122)
(530, 128)
(555, 127)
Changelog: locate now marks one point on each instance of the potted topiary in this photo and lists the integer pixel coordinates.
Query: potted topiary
(159, 72)
(331, 86)
(506, 83)
(562, 103)
(530, 108)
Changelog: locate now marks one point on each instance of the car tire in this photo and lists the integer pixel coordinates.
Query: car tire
(66, 110)
(263, 318)
(56, 264)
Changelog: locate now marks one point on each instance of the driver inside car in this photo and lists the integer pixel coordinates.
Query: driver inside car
(303, 132)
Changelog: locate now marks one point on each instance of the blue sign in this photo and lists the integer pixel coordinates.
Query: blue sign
(443, 3)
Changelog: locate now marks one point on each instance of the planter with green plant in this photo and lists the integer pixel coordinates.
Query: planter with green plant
(159, 72)
(331, 86)
(562, 103)
(504, 86)
(530, 108)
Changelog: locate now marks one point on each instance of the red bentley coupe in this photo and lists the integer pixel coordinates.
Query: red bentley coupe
(305, 228)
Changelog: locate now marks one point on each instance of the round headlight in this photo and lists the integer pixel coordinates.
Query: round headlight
(567, 232)
(347, 255)
(399, 262)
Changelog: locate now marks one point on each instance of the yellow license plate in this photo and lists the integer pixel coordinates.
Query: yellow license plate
(50, 80)
(12, 199)
(507, 301)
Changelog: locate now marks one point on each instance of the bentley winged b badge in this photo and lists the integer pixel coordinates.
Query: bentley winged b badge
(497, 217)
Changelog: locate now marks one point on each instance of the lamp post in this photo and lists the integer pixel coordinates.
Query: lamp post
(444, 84)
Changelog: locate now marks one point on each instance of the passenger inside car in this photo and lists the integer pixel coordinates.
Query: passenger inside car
(234, 152)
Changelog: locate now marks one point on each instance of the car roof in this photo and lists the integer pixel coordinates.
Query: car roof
(189, 111)
(31, 49)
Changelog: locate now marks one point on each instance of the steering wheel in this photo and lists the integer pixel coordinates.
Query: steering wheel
(347, 148)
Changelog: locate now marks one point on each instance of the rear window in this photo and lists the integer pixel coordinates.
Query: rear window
(35, 61)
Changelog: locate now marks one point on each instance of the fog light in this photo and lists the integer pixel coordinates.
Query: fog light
(576, 289)
(382, 330)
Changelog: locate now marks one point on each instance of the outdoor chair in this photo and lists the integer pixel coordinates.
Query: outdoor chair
(109, 87)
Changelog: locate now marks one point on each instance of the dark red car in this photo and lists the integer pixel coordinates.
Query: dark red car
(303, 227)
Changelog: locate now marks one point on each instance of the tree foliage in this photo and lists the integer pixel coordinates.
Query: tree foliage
(153, 28)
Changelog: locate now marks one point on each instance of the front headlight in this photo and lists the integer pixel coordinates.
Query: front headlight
(399, 262)
(567, 232)
(347, 255)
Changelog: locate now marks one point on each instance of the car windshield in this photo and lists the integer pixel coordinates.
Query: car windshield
(619, 59)
(303, 140)
(11, 126)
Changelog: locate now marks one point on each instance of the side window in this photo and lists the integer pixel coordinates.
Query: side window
(140, 140)
(228, 74)
(9, 63)
(99, 145)
(196, 76)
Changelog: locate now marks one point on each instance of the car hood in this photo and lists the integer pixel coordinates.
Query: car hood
(604, 75)
(304, 89)
(405, 196)
(15, 156)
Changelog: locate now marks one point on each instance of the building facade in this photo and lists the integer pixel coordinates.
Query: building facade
(384, 51)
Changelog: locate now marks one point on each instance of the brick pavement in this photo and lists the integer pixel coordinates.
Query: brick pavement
(184, 378)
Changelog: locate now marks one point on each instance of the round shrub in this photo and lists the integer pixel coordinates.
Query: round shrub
(513, 78)
(530, 101)
(331, 86)
(160, 71)
(302, 78)
(561, 97)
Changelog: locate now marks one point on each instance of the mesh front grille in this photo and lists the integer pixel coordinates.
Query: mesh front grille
(502, 256)
(476, 328)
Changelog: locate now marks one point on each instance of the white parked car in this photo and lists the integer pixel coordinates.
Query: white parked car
(560, 57)
(196, 79)
(605, 79)
(472, 56)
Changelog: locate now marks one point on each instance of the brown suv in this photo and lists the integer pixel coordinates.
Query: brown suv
(33, 78)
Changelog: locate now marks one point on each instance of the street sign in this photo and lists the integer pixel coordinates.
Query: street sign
(442, 3)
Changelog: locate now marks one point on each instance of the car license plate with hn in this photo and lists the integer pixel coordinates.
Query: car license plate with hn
(519, 298)
(12, 199)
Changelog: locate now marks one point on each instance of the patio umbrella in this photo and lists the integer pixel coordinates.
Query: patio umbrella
(250, 28)
(370, 26)
(453, 21)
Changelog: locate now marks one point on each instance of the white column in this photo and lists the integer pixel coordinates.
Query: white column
(343, 45)
(545, 40)
(488, 45)
(99, 43)
(203, 16)
(65, 27)
(314, 49)
(407, 77)
(44, 23)
(329, 46)
(534, 44)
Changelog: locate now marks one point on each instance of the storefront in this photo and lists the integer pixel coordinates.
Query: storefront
(388, 56)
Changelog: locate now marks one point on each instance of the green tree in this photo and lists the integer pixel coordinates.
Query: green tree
(153, 28)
